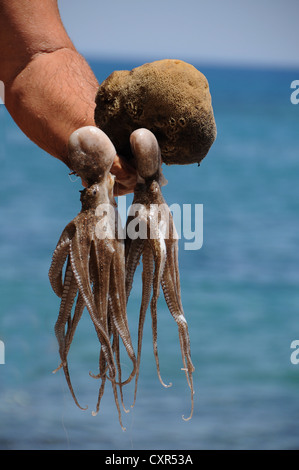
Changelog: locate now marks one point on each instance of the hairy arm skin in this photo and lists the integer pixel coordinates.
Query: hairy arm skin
(49, 87)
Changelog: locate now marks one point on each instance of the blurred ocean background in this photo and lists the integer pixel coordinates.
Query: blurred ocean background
(240, 290)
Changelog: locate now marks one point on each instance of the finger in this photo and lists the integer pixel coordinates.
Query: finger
(125, 176)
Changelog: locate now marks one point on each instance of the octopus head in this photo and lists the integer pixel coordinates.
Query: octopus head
(147, 153)
(91, 154)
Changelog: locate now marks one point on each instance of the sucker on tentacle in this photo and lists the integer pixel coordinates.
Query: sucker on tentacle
(95, 268)
(159, 251)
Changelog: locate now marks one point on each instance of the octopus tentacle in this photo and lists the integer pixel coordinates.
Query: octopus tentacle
(176, 311)
(79, 257)
(58, 260)
(118, 308)
(104, 377)
(147, 279)
(72, 325)
(67, 300)
(80, 305)
(117, 405)
(185, 345)
(155, 246)
(159, 250)
(115, 347)
(66, 305)
(69, 383)
(100, 275)
(102, 259)
(101, 279)
(133, 254)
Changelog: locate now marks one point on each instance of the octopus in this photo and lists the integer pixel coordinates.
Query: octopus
(92, 252)
(157, 243)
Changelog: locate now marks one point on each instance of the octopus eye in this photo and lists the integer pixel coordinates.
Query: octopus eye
(153, 187)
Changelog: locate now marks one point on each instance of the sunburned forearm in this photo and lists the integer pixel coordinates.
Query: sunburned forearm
(49, 87)
(51, 97)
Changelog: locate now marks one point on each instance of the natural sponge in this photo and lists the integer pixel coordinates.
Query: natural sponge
(169, 97)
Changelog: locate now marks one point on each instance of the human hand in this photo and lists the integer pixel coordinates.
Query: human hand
(125, 176)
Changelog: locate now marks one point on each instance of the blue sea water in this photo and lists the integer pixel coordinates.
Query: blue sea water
(240, 290)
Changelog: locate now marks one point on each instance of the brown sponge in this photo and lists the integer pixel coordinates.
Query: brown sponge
(169, 97)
